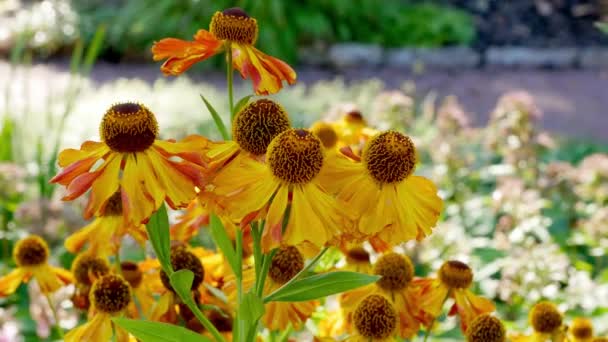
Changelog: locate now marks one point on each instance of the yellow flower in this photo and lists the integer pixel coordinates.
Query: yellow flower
(253, 128)
(131, 160)
(375, 319)
(104, 235)
(392, 205)
(285, 264)
(581, 330)
(353, 130)
(396, 273)
(188, 224)
(547, 322)
(264, 190)
(31, 256)
(234, 28)
(357, 260)
(109, 296)
(486, 328)
(87, 268)
(454, 280)
(331, 326)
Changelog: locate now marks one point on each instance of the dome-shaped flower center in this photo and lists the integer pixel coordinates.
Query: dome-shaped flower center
(582, 328)
(545, 318)
(295, 156)
(222, 321)
(455, 274)
(375, 318)
(182, 259)
(390, 157)
(486, 328)
(234, 25)
(31, 251)
(285, 264)
(87, 268)
(354, 117)
(257, 124)
(110, 294)
(396, 271)
(326, 133)
(131, 273)
(113, 206)
(357, 255)
(128, 127)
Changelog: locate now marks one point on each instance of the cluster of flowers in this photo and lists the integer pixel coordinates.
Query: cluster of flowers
(340, 184)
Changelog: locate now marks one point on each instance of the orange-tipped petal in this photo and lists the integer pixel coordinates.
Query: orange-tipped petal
(266, 72)
(180, 54)
(10, 282)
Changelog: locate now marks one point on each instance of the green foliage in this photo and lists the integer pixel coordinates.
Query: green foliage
(319, 286)
(284, 25)
(147, 331)
(157, 228)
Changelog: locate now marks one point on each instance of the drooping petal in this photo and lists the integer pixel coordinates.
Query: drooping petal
(189, 223)
(10, 282)
(266, 72)
(273, 234)
(191, 148)
(180, 54)
(47, 279)
(105, 186)
(136, 205)
(470, 306)
(98, 329)
(420, 202)
(178, 185)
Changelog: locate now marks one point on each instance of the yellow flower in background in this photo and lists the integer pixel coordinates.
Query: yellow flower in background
(131, 159)
(285, 264)
(104, 235)
(375, 319)
(31, 255)
(580, 330)
(392, 205)
(237, 29)
(86, 268)
(397, 272)
(357, 260)
(486, 328)
(350, 131)
(187, 224)
(547, 322)
(143, 297)
(109, 296)
(454, 280)
(289, 177)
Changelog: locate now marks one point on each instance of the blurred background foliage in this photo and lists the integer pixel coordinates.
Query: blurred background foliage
(284, 25)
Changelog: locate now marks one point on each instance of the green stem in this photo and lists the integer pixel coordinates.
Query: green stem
(264, 272)
(229, 74)
(55, 315)
(242, 329)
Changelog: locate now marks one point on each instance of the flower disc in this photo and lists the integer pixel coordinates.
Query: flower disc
(128, 127)
(295, 156)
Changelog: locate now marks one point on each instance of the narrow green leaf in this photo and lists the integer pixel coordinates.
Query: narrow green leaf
(158, 233)
(217, 119)
(6, 140)
(148, 331)
(240, 104)
(223, 242)
(76, 58)
(320, 285)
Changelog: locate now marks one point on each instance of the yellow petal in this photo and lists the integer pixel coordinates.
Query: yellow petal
(136, 206)
(98, 329)
(419, 197)
(10, 282)
(104, 186)
(178, 187)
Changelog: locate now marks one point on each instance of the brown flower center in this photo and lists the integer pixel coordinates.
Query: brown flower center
(31, 251)
(486, 328)
(234, 25)
(375, 318)
(545, 318)
(128, 127)
(396, 271)
(325, 133)
(357, 255)
(582, 328)
(455, 274)
(257, 124)
(390, 157)
(295, 156)
(182, 259)
(87, 268)
(110, 294)
(131, 273)
(285, 264)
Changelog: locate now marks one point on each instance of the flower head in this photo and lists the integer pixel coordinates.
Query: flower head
(132, 161)
(486, 328)
(31, 256)
(232, 30)
(581, 329)
(375, 319)
(545, 317)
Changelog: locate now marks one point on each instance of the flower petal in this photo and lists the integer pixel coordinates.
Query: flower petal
(182, 54)
(10, 282)
(266, 72)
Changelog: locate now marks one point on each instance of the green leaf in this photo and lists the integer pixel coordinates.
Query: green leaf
(148, 331)
(240, 104)
(223, 242)
(603, 26)
(320, 285)
(251, 310)
(217, 119)
(158, 233)
(6, 140)
(93, 49)
(181, 281)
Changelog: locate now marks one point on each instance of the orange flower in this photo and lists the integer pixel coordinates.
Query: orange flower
(231, 28)
(146, 171)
